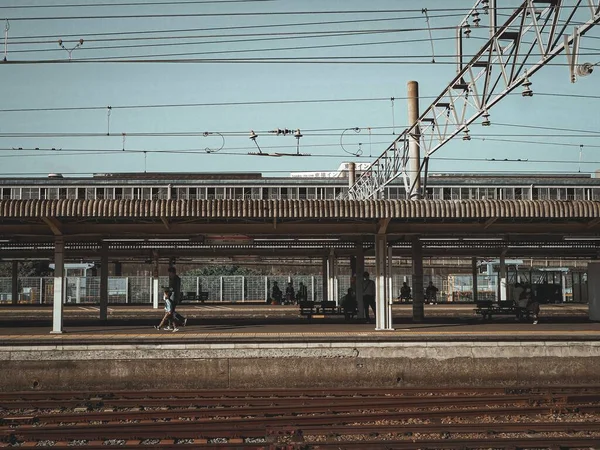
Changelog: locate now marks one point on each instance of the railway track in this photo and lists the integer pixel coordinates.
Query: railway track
(549, 417)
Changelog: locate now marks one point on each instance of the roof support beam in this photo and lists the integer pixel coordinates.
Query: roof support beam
(489, 222)
(54, 225)
(166, 223)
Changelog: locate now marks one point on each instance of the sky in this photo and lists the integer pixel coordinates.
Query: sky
(191, 104)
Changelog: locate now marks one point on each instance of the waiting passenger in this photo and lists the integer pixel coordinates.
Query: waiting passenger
(405, 293)
(302, 293)
(431, 293)
(276, 294)
(349, 305)
(369, 295)
(290, 295)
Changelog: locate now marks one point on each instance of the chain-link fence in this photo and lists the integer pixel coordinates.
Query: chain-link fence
(139, 289)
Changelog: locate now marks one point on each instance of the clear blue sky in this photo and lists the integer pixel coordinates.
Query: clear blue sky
(285, 89)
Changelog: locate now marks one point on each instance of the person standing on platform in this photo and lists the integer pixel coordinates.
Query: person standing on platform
(175, 287)
(369, 296)
(302, 293)
(168, 317)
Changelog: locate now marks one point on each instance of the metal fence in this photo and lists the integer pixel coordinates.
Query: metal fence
(138, 289)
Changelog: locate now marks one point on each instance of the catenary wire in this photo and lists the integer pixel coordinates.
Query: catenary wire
(252, 103)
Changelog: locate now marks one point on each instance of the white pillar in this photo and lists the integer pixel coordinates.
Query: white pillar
(77, 289)
(155, 286)
(324, 279)
(266, 288)
(312, 288)
(383, 315)
(593, 284)
(243, 289)
(221, 288)
(331, 277)
(59, 286)
(126, 289)
(390, 276)
(502, 282)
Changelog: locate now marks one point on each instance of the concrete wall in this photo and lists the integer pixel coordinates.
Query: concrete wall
(212, 366)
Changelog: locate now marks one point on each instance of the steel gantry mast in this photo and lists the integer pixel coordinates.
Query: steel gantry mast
(531, 37)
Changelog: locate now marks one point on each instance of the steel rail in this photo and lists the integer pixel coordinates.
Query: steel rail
(16, 421)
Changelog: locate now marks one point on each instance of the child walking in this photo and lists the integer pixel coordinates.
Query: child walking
(168, 317)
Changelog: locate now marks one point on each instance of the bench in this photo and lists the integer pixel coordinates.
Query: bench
(191, 296)
(488, 308)
(320, 310)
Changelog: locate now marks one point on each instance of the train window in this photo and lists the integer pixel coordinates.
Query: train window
(6, 194)
(90, 193)
(429, 193)
(118, 193)
(62, 193)
(42, 193)
(237, 193)
(595, 193)
(146, 193)
(30, 193)
(256, 193)
(109, 193)
(284, 193)
(182, 193)
(302, 193)
(329, 193)
(446, 193)
(192, 193)
(393, 193)
(311, 193)
(99, 193)
(210, 193)
(247, 193)
(81, 193)
(220, 193)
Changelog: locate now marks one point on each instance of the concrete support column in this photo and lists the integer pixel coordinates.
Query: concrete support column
(104, 282)
(593, 284)
(414, 141)
(15, 282)
(417, 280)
(475, 273)
(360, 269)
(383, 315)
(502, 297)
(60, 287)
(331, 287)
(325, 280)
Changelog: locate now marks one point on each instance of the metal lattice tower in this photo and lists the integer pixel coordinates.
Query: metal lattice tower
(534, 34)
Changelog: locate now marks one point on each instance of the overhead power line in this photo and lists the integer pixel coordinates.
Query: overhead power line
(98, 5)
(259, 103)
(239, 14)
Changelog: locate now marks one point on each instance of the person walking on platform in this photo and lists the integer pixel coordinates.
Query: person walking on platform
(168, 317)
(369, 296)
(175, 287)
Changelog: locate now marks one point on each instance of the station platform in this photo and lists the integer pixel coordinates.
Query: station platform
(219, 322)
(254, 346)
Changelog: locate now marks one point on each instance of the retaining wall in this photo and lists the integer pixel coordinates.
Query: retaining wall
(273, 365)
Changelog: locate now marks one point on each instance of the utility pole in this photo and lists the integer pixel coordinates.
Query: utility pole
(414, 141)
